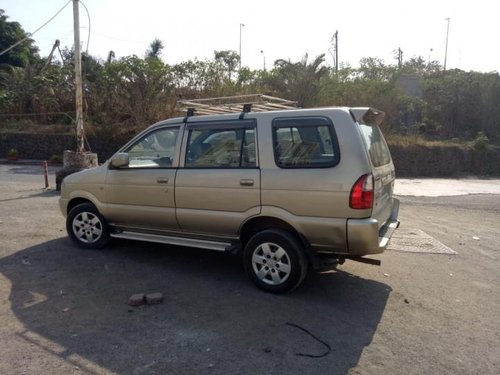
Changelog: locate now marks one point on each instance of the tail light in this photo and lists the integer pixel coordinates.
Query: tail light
(361, 197)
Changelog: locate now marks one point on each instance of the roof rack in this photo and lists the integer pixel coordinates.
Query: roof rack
(233, 104)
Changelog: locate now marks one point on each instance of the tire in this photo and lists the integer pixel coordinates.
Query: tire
(274, 260)
(86, 227)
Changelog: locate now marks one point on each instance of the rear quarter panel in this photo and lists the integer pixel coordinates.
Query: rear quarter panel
(316, 199)
(318, 192)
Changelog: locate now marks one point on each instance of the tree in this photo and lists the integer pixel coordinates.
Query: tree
(229, 59)
(373, 68)
(11, 33)
(300, 80)
(155, 49)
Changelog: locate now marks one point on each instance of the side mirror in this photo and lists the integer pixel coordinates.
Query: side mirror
(119, 160)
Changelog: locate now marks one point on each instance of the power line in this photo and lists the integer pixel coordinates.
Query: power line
(29, 35)
(88, 35)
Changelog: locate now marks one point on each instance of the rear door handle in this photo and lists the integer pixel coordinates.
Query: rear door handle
(246, 182)
(162, 180)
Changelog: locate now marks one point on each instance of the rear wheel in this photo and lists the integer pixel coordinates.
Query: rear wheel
(87, 227)
(274, 260)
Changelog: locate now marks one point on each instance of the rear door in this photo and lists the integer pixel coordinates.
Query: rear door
(218, 183)
(382, 167)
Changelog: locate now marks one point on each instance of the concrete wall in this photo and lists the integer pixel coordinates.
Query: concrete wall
(43, 146)
(439, 161)
(410, 161)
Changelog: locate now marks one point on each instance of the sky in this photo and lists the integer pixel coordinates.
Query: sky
(280, 29)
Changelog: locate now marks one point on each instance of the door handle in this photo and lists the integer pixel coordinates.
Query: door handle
(162, 180)
(246, 182)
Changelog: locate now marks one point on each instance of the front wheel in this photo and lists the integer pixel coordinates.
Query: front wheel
(87, 227)
(274, 260)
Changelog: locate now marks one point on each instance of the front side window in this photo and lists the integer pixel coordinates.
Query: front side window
(305, 143)
(154, 150)
(209, 147)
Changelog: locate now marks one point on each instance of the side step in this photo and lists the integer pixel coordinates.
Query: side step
(170, 240)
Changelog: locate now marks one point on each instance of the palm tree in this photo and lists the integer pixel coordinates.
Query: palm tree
(300, 80)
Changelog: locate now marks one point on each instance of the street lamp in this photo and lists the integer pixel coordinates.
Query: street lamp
(446, 48)
(241, 26)
(264, 56)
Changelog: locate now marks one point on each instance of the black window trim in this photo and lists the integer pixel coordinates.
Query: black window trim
(333, 135)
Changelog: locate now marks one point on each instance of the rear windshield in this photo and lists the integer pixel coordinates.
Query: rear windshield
(375, 144)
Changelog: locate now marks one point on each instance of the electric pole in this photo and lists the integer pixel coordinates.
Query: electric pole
(334, 45)
(241, 25)
(399, 56)
(337, 52)
(446, 47)
(80, 147)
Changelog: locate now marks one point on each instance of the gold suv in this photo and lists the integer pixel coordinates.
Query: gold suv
(288, 190)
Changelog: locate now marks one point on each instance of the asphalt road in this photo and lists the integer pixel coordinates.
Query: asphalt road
(63, 310)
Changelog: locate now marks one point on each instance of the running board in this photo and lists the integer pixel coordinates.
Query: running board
(170, 240)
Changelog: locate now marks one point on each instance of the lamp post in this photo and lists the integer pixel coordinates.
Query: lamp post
(241, 26)
(264, 57)
(446, 47)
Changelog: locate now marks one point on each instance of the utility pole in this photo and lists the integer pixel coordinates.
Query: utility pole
(399, 56)
(241, 25)
(80, 147)
(51, 54)
(334, 45)
(264, 56)
(446, 47)
(337, 52)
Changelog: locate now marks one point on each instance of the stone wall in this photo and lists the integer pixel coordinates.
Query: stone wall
(444, 161)
(44, 146)
(410, 161)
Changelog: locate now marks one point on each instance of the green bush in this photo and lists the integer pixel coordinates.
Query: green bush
(480, 142)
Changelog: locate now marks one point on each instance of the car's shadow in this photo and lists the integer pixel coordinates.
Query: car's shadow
(33, 193)
(212, 320)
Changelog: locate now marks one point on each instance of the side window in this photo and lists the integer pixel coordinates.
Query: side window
(154, 150)
(209, 147)
(376, 145)
(305, 143)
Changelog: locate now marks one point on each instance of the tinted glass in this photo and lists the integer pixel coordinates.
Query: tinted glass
(304, 143)
(375, 144)
(221, 148)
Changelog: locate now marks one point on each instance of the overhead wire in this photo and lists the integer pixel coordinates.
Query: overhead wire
(29, 35)
(88, 34)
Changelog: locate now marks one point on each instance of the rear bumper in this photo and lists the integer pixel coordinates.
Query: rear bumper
(364, 236)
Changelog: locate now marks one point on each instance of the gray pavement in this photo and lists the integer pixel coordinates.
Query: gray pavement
(63, 310)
